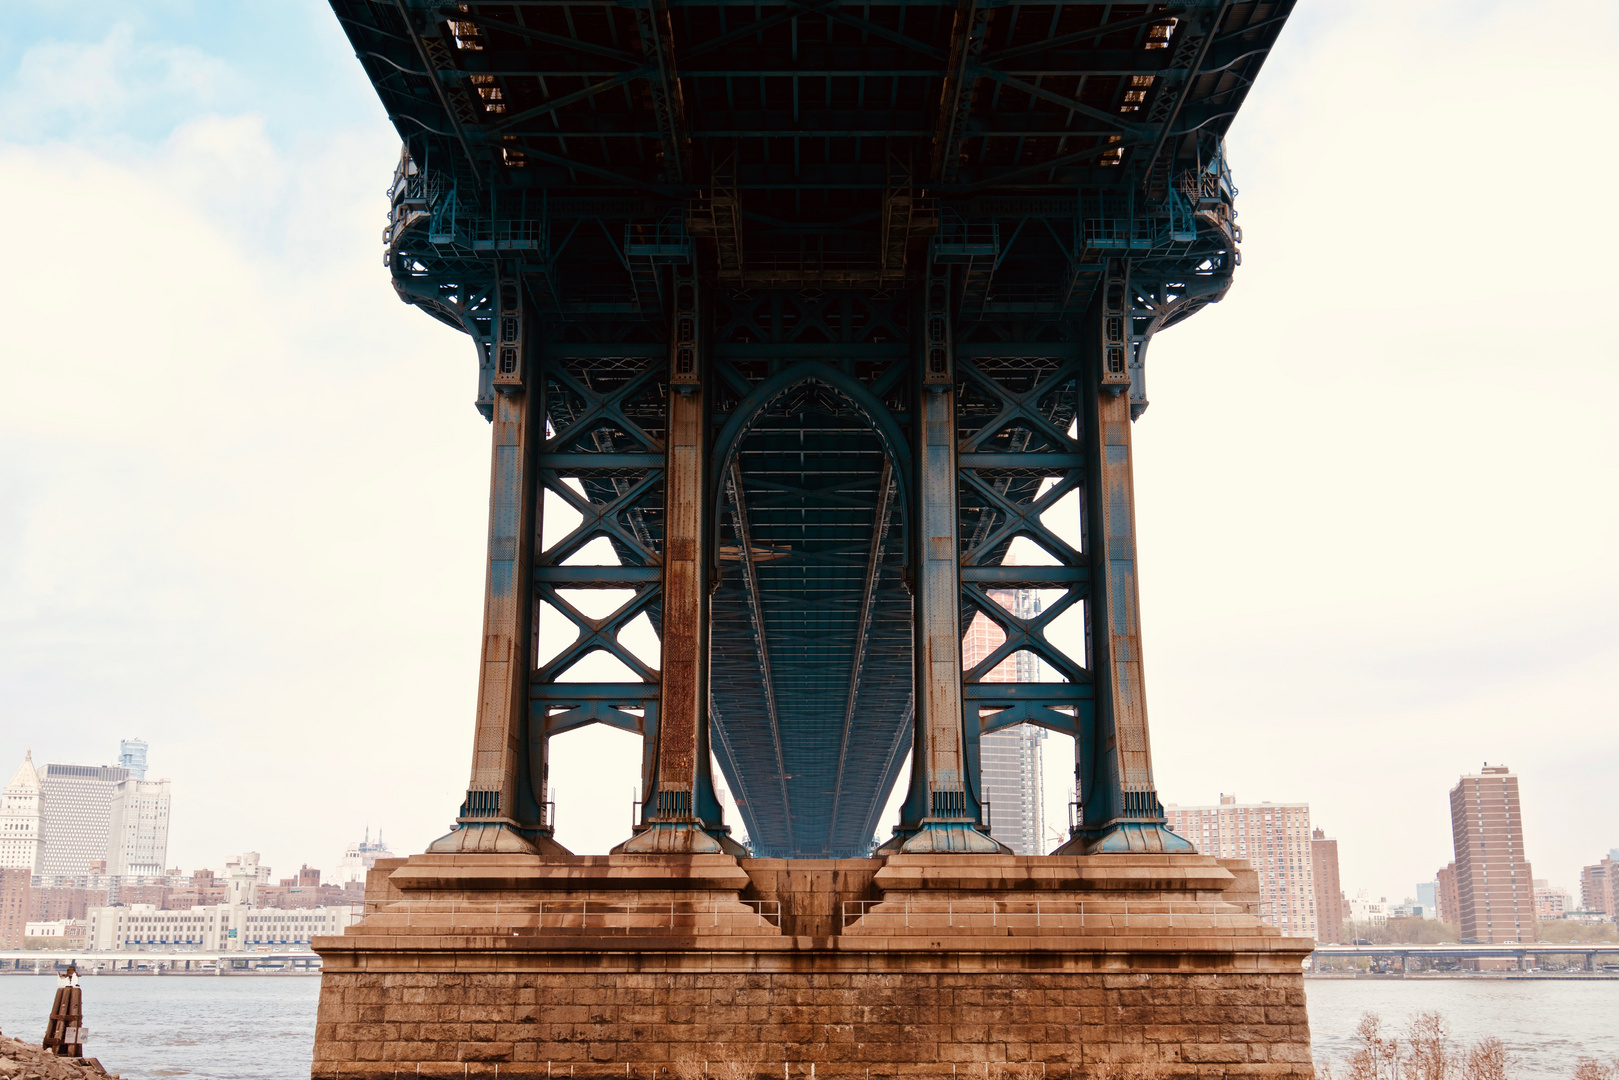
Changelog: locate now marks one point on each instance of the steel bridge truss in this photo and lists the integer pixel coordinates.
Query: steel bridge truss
(828, 322)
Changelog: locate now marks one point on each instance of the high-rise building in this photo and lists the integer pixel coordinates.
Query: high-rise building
(138, 826)
(359, 858)
(132, 756)
(1328, 892)
(1010, 760)
(1494, 884)
(21, 819)
(1428, 898)
(1274, 838)
(1447, 897)
(78, 815)
(1599, 887)
(105, 813)
(14, 904)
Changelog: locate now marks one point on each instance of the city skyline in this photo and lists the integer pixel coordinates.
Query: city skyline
(211, 600)
(1183, 818)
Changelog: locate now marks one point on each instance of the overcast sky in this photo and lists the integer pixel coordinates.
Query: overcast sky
(243, 488)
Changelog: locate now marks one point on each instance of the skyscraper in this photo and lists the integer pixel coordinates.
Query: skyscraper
(1010, 760)
(1274, 838)
(78, 815)
(21, 813)
(1494, 885)
(1328, 891)
(138, 826)
(132, 756)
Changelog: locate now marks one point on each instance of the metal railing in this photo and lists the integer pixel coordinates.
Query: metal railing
(1152, 914)
(585, 914)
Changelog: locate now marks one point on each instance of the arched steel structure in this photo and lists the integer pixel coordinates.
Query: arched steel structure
(829, 319)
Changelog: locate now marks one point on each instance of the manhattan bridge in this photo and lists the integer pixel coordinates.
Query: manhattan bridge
(827, 321)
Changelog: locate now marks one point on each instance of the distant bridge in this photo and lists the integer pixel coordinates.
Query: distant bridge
(90, 961)
(1593, 955)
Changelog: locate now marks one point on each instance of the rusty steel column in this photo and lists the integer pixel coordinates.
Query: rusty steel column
(942, 809)
(680, 811)
(504, 808)
(1119, 807)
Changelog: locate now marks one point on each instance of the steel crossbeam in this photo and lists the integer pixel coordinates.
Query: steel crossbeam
(831, 321)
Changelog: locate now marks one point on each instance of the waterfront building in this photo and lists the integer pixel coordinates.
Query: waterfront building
(1428, 898)
(1011, 762)
(1275, 838)
(216, 928)
(1551, 902)
(15, 890)
(1327, 890)
(57, 934)
(1494, 884)
(21, 819)
(358, 859)
(132, 756)
(77, 827)
(138, 826)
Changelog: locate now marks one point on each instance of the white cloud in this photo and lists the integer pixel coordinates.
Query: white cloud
(108, 87)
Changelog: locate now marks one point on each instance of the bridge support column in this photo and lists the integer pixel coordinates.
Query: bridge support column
(681, 812)
(504, 810)
(942, 811)
(1119, 807)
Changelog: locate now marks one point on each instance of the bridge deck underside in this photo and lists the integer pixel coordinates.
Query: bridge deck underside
(811, 644)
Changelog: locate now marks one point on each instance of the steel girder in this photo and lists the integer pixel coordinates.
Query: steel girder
(892, 269)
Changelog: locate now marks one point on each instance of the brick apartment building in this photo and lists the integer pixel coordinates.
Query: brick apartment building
(1494, 884)
(1330, 911)
(1275, 838)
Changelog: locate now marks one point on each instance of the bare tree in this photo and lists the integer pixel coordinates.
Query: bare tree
(1378, 1055)
(688, 1064)
(734, 1063)
(1589, 1068)
(1428, 1054)
(1487, 1059)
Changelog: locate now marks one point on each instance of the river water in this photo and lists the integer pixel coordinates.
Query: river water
(261, 1027)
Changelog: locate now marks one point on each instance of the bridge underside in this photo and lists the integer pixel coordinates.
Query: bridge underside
(813, 311)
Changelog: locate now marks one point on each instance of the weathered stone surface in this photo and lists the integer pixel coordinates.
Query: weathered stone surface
(26, 1061)
(998, 966)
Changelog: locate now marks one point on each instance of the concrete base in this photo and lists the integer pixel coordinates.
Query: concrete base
(909, 965)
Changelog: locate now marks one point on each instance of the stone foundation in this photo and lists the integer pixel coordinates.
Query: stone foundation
(999, 966)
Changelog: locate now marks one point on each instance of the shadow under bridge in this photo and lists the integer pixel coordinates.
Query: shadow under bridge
(811, 686)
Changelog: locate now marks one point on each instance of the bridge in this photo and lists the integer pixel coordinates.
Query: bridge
(178, 960)
(820, 326)
(1593, 956)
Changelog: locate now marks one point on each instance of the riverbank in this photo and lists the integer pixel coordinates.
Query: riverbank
(26, 1061)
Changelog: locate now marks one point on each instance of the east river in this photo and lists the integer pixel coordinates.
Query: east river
(261, 1027)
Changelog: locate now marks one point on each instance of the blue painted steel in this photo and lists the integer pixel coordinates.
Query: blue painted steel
(816, 166)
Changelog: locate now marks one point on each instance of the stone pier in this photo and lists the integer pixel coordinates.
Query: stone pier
(910, 965)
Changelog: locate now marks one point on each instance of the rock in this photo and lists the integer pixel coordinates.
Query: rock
(26, 1061)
